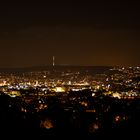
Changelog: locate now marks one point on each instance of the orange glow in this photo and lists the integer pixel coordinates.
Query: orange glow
(117, 118)
(47, 123)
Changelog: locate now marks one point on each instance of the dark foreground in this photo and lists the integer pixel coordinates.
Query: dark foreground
(120, 120)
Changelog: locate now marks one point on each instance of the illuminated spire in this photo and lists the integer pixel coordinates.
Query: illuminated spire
(53, 60)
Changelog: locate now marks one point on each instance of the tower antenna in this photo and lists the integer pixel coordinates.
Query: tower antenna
(53, 61)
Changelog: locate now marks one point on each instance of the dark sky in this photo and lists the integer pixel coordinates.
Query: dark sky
(76, 33)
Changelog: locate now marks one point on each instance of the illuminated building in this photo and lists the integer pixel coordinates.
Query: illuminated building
(59, 89)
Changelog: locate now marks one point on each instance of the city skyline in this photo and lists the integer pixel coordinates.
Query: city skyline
(77, 33)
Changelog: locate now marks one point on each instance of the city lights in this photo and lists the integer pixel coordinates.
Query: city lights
(67, 99)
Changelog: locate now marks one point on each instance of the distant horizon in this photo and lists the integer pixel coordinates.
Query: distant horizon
(64, 65)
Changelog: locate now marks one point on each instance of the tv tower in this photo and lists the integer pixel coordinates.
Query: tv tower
(53, 61)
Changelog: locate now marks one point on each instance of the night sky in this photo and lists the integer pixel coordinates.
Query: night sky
(76, 33)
